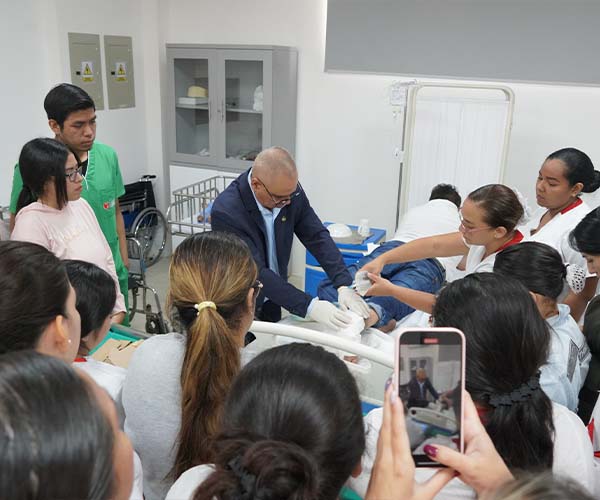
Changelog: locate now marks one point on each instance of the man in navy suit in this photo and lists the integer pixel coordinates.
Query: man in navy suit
(418, 388)
(266, 206)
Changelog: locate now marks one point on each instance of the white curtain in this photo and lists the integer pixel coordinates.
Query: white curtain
(456, 140)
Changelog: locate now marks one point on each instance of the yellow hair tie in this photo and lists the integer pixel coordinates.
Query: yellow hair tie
(204, 305)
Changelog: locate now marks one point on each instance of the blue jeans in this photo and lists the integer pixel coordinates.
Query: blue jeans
(425, 275)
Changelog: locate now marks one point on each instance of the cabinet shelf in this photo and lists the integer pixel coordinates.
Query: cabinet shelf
(243, 110)
(229, 109)
(192, 106)
(222, 123)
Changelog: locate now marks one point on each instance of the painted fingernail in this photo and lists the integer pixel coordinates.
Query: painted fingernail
(430, 451)
(388, 382)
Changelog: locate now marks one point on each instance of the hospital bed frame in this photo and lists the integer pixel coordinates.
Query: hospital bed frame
(371, 382)
(194, 201)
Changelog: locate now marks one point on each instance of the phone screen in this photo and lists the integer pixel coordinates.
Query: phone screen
(430, 380)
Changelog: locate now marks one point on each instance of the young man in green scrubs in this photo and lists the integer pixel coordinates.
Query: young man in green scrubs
(72, 117)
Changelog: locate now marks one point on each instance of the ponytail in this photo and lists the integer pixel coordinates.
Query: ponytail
(210, 363)
(521, 431)
(507, 342)
(211, 275)
(264, 469)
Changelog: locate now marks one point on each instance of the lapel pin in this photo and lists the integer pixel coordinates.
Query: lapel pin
(283, 219)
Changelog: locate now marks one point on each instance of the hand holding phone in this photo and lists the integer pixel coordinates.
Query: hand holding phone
(481, 467)
(429, 380)
(393, 473)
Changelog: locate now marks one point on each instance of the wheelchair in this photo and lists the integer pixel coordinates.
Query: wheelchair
(143, 221)
(155, 321)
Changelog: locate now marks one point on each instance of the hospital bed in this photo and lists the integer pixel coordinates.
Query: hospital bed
(375, 351)
(189, 212)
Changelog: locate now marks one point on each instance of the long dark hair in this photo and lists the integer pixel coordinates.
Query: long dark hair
(500, 205)
(55, 441)
(585, 237)
(578, 168)
(538, 266)
(34, 287)
(43, 160)
(292, 428)
(507, 342)
(96, 295)
(215, 267)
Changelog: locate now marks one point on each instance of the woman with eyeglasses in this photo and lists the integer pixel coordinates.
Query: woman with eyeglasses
(176, 384)
(489, 219)
(60, 220)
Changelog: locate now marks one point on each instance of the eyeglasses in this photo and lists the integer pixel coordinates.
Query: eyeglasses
(281, 201)
(72, 175)
(257, 287)
(467, 230)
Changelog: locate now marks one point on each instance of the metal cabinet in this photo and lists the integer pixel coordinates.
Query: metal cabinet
(227, 103)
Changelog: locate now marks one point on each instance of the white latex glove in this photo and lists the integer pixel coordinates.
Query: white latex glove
(348, 299)
(327, 314)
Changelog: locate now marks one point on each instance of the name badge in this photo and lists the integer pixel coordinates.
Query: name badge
(107, 205)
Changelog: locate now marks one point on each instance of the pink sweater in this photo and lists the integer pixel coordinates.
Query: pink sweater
(70, 233)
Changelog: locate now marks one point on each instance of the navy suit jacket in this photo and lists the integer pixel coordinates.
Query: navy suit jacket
(415, 390)
(235, 211)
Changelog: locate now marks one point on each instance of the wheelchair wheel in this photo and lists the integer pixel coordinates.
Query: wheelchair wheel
(150, 229)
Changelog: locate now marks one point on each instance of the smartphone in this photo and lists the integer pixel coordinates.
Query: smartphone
(429, 376)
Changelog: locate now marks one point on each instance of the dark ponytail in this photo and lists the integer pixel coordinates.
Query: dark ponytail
(579, 168)
(42, 160)
(292, 428)
(507, 342)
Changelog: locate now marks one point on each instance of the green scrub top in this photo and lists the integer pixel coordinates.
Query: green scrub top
(102, 187)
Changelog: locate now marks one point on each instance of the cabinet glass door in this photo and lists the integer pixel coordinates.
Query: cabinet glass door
(245, 103)
(193, 89)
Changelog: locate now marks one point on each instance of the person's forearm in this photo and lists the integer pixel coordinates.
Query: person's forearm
(445, 245)
(578, 302)
(122, 236)
(422, 301)
(11, 222)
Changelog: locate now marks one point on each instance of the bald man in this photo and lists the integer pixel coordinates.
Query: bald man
(418, 387)
(266, 206)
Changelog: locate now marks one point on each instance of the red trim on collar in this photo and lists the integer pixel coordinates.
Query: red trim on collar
(517, 238)
(576, 203)
(80, 360)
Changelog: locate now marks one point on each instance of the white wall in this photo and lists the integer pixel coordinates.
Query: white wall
(33, 37)
(346, 133)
